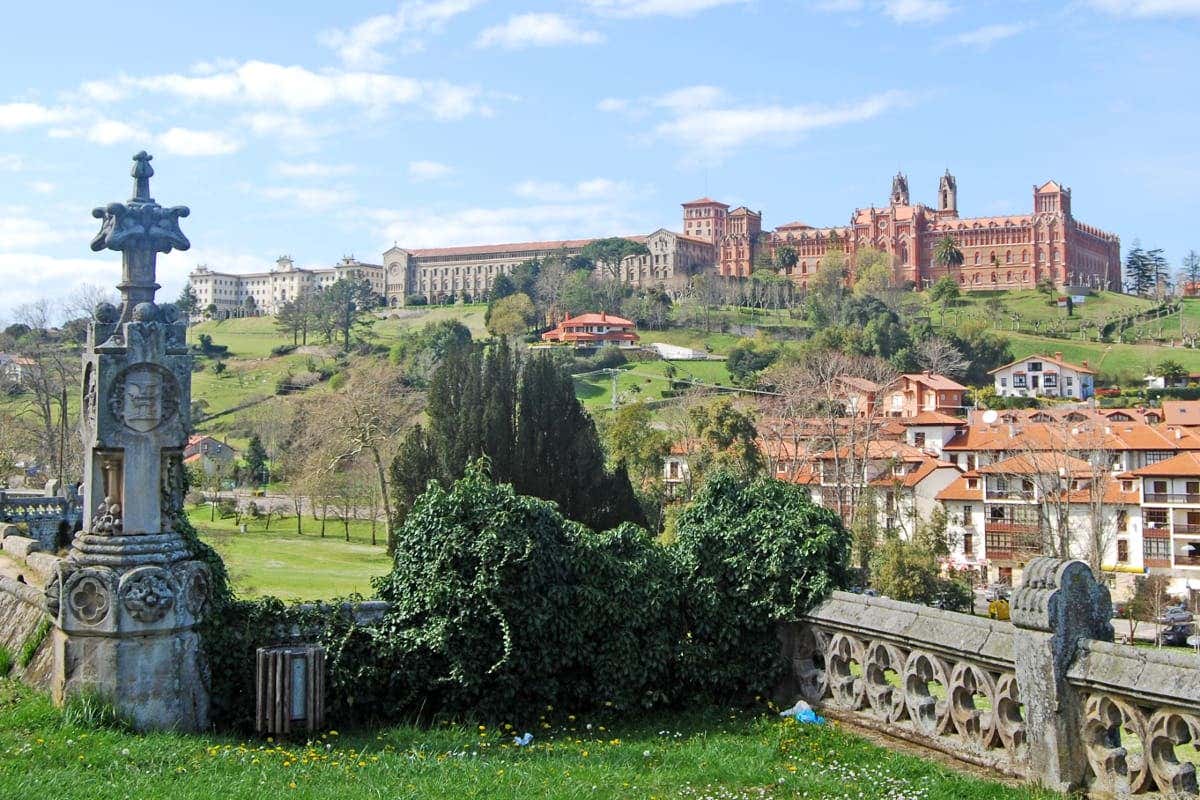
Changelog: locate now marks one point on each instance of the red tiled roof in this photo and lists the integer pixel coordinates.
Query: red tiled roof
(935, 381)
(958, 490)
(1040, 463)
(484, 249)
(1184, 465)
(706, 201)
(592, 318)
(932, 418)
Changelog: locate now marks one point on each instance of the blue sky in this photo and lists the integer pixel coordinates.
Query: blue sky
(326, 129)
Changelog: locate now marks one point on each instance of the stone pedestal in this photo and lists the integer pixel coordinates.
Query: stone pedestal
(1058, 604)
(129, 594)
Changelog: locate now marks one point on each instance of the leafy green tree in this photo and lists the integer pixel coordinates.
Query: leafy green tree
(873, 272)
(525, 276)
(751, 553)
(188, 303)
(340, 309)
(631, 438)
(947, 255)
(786, 259)
(609, 256)
(945, 291)
(750, 356)
(502, 287)
(983, 349)
(579, 294)
(726, 438)
(903, 571)
(410, 472)
(1172, 371)
(256, 460)
(511, 316)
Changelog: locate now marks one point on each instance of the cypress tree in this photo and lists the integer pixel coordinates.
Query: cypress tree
(500, 409)
(413, 467)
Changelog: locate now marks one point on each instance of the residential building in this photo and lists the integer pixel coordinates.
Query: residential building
(209, 454)
(255, 293)
(15, 369)
(590, 331)
(1013, 251)
(1044, 376)
(925, 392)
(1170, 493)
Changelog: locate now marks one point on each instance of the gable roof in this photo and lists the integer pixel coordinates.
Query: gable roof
(1051, 359)
(1040, 463)
(932, 418)
(935, 381)
(1181, 412)
(706, 201)
(1184, 464)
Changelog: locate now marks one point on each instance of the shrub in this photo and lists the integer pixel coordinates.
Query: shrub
(415, 300)
(502, 606)
(337, 381)
(283, 349)
(751, 554)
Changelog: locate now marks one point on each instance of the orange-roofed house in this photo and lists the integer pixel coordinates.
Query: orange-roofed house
(594, 330)
(922, 392)
(1044, 376)
(1171, 513)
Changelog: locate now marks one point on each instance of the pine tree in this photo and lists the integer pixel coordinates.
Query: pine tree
(1138, 269)
(411, 470)
(256, 460)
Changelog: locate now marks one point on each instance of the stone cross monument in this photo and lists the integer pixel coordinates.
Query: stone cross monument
(128, 596)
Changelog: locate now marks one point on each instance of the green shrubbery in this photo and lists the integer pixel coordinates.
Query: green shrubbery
(501, 606)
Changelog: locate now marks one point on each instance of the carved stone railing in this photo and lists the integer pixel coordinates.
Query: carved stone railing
(1047, 697)
(43, 516)
(940, 679)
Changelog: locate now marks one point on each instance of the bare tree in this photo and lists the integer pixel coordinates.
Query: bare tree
(837, 400)
(938, 356)
(365, 420)
(82, 301)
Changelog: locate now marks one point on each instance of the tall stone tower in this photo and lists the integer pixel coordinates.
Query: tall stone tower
(948, 194)
(127, 597)
(900, 190)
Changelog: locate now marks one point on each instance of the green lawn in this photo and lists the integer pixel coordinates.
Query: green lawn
(1128, 361)
(291, 566)
(714, 754)
(646, 380)
(1032, 307)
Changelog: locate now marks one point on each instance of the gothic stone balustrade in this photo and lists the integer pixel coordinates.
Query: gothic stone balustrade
(1048, 697)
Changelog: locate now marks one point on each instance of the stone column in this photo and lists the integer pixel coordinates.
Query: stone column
(1058, 603)
(127, 597)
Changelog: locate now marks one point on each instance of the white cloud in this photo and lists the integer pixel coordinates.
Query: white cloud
(110, 131)
(428, 170)
(423, 227)
(313, 169)
(359, 46)
(15, 116)
(11, 163)
(536, 30)
(42, 187)
(651, 8)
(33, 276)
(1149, 8)
(691, 97)
(312, 198)
(553, 191)
(906, 11)
(265, 85)
(986, 36)
(188, 142)
(612, 104)
(22, 232)
(899, 11)
(710, 129)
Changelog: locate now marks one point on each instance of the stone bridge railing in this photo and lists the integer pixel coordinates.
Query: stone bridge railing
(49, 520)
(1047, 697)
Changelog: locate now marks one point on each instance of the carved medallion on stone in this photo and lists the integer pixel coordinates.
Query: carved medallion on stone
(148, 593)
(144, 396)
(88, 594)
(196, 584)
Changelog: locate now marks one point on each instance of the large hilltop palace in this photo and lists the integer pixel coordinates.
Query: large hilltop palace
(1003, 252)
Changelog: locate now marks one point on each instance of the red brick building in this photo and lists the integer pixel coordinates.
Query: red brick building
(1012, 251)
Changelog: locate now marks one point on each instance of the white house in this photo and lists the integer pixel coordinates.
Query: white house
(1044, 376)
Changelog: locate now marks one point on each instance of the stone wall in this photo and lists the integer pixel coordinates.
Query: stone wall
(22, 613)
(1047, 698)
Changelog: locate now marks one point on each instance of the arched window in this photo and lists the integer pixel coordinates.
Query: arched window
(1008, 256)
(977, 257)
(993, 277)
(1024, 276)
(1008, 277)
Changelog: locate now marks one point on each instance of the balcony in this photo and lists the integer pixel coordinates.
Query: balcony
(1187, 561)
(1009, 494)
(1171, 497)
(1009, 526)
(1182, 528)
(1012, 542)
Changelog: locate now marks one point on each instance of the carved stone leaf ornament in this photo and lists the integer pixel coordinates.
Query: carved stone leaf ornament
(148, 593)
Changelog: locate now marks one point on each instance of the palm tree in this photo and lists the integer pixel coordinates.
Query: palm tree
(946, 253)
